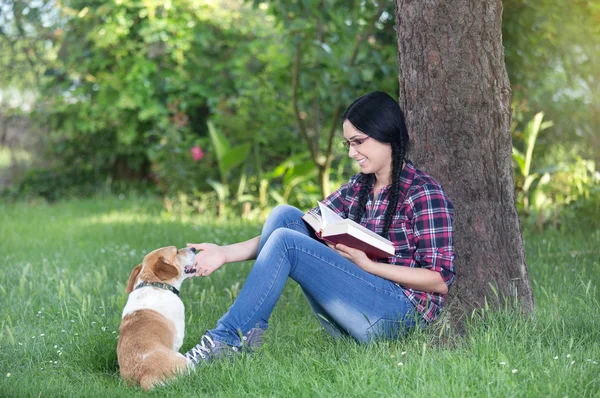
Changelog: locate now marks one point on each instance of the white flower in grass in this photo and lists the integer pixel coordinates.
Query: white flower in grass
(400, 364)
(572, 362)
(403, 353)
(568, 355)
(42, 335)
(555, 357)
(55, 346)
(502, 363)
(8, 375)
(515, 371)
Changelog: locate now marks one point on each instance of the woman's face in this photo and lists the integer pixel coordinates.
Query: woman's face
(373, 157)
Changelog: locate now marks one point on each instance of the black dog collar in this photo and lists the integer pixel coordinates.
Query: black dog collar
(159, 285)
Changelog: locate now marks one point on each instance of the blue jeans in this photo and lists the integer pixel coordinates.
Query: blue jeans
(347, 300)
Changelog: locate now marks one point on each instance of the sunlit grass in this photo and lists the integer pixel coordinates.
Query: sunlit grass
(63, 270)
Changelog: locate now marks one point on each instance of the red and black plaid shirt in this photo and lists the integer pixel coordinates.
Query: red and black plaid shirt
(421, 229)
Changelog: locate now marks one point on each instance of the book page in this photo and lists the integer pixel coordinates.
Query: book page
(328, 216)
(313, 220)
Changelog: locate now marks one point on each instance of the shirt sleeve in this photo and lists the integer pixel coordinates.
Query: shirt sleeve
(336, 202)
(433, 233)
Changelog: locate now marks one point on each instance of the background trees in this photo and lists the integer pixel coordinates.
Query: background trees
(121, 91)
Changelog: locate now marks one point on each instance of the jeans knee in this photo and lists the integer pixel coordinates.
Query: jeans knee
(285, 212)
(281, 237)
(281, 241)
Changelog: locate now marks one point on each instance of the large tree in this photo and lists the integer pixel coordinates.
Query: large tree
(455, 93)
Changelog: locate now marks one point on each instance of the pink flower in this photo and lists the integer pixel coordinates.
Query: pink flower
(197, 153)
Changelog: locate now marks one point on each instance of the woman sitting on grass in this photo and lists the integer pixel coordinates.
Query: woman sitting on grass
(351, 294)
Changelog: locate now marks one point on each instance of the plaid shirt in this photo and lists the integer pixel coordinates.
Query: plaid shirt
(421, 229)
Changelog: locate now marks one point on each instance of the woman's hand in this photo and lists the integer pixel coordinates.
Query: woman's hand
(358, 257)
(421, 279)
(209, 258)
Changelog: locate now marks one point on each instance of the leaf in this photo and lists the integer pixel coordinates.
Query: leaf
(531, 132)
(530, 179)
(277, 196)
(126, 136)
(218, 140)
(519, 158)
(300, 172)
(221, 189)
(233, 158)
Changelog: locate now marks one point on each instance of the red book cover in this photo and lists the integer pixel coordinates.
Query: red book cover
(355, 243)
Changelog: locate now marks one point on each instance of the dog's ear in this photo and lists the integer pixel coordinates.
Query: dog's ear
(132, 278)
(164, 269)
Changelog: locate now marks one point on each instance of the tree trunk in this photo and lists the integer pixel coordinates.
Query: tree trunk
(455, 93)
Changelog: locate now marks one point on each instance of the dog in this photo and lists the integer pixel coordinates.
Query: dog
(153, 321)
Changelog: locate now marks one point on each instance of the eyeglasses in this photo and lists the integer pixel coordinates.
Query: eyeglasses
(354, 143)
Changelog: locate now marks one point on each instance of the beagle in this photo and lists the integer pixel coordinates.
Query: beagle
(152, 325)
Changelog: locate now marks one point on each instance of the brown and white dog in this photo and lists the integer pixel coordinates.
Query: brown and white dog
(153, 322)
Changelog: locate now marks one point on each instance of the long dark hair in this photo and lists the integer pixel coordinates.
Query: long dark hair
(379, 116)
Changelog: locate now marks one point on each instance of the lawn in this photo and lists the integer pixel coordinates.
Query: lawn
(63, 270)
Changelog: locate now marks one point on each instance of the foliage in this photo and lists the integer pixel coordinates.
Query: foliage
(576, 192)
(66, 295)
(552, 53)
(23, 41)
(339, 50)
(125, 88)
(125, 81)
(128, 86)
(557, 188)
(528, 181)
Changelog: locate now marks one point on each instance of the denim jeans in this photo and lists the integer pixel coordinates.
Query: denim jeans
(347, 300)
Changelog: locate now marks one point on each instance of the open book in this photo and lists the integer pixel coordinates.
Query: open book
(334, 229)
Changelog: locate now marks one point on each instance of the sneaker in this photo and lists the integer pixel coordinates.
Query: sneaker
(209, 349)
(252, 340)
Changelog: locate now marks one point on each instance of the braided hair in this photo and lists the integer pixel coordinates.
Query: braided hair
(380, 117)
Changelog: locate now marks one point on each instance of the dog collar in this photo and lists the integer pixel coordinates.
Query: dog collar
(159, 285)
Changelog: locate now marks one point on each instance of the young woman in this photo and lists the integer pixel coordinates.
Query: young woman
(351, 294)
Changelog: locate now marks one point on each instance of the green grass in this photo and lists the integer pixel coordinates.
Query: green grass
(63, 270)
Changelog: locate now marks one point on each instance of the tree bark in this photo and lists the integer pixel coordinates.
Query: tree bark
(455, 93)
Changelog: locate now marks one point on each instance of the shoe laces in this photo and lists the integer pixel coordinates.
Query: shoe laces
(202, 349)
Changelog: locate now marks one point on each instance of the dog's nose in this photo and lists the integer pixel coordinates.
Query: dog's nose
(193, 249)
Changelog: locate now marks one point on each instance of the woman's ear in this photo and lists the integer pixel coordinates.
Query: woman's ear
(132, 278)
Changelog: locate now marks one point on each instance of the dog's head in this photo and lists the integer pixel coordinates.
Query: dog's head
(167, 264)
